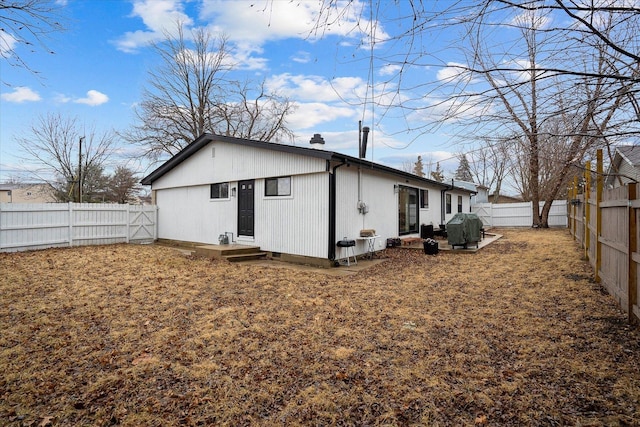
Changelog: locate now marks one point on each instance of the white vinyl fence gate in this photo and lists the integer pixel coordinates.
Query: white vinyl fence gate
(518, 214)
(29, 226)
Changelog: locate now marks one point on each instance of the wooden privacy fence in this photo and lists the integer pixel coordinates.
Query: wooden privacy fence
(45, 225)
(518, 214)
(605, 224)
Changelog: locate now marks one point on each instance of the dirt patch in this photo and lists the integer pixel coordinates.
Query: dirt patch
(516, 334)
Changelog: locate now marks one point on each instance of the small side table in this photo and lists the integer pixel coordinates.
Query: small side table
(371, 244)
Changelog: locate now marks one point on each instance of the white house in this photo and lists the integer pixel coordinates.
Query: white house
(294, 202)
(625, 166)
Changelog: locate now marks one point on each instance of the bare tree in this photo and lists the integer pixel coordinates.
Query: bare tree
(254, 114)
(565, 59)
(26, 24)
(563, 117)
(54, 143)
(191, 93)
(123, 186)
(491, 162)
(407, 166)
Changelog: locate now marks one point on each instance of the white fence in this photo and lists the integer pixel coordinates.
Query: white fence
(518, 214)
(44, 225)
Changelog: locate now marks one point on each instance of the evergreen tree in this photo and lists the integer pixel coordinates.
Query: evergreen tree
(418, 167)
(463, 173)
(437, 175)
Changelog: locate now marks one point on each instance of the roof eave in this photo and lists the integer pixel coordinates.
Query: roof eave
(206, 138)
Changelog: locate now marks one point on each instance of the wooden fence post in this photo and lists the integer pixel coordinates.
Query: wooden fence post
(587, 209)
(575, 207)
(599, 187)
(633, 256)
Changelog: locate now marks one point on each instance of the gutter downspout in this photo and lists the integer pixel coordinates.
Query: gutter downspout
(442, 202)
(332, 212)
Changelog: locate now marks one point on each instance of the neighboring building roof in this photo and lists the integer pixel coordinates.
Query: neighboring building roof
(503, 198)
(625, 165)
(471, 186)
(631, 153)
(15, 186)
(206, 138)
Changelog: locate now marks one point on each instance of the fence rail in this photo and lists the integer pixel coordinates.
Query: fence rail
(44, 225)
(518, 214)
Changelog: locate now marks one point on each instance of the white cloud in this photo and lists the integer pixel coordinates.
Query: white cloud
(317, 88)
(450, 110)
(158, 16)
(21, 94)
(537, 19)
(254, 23)
(312, 114)
(454, 72)
(61, 98)
(93, 98)
(258, 23)
(249, 25)
(302, 57)
(7, 44)
(389, 70)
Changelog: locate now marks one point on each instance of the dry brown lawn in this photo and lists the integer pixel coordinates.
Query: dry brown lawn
(516, 334)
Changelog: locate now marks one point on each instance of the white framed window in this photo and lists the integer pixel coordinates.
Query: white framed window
(424, 199)
(220, 190)
(280, 186)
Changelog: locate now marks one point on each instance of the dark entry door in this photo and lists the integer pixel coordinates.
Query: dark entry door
(245, 208)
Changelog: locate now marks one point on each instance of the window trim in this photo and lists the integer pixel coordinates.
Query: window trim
(277, 180)
(219, 184)
(423, 199)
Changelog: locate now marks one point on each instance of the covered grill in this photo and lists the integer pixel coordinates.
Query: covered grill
(464, 229)
(346, 244)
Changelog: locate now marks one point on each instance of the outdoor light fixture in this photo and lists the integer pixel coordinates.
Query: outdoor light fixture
(233, 191)
(396, 188)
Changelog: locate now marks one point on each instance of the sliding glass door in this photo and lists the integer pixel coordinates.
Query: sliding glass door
(407, 210)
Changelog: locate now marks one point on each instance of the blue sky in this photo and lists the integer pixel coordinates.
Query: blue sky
(100, 67)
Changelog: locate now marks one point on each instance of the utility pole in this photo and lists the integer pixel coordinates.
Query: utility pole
(80, 170)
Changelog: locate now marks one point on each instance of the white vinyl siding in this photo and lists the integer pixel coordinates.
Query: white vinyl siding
(295, 225)
(186, 214)
(234, 162)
